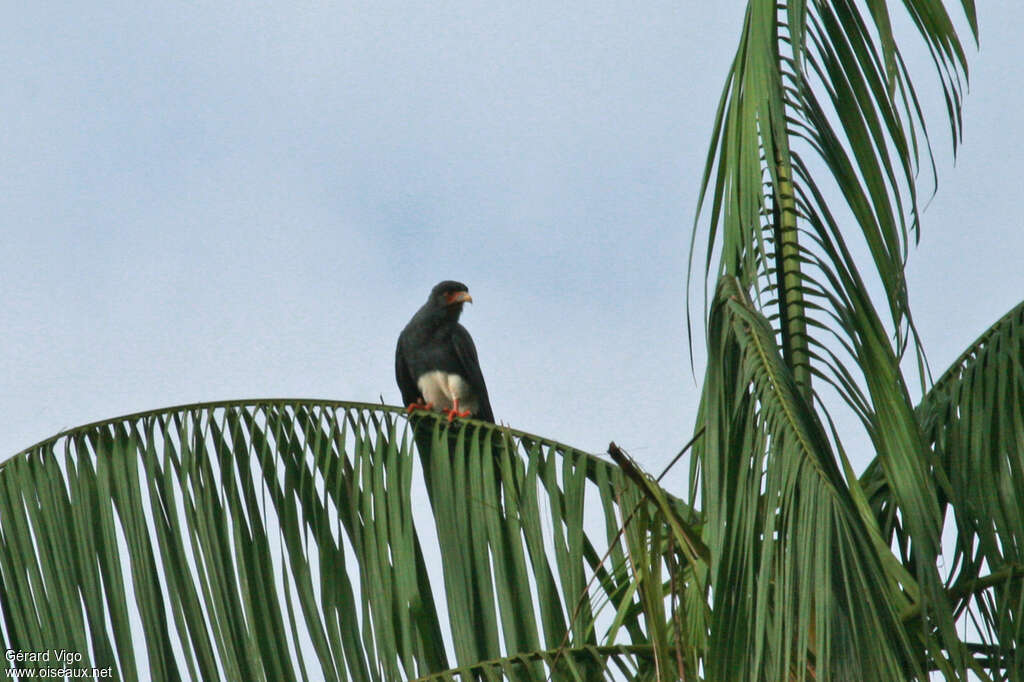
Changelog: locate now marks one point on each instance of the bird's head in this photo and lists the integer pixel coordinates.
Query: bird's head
(450, 296)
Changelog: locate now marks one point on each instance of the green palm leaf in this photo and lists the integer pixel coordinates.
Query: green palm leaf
(817, 114)
(799, 578)
(973, 419)
(280, 540)
(815, 153)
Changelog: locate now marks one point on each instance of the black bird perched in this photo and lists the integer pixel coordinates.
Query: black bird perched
(435, 362)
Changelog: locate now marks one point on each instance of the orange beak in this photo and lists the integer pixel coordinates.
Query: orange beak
(459, 297)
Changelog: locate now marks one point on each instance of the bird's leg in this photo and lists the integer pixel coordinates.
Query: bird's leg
(454, 412)
(419, 405)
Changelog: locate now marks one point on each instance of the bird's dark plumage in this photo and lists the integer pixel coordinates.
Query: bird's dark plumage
(436, 362)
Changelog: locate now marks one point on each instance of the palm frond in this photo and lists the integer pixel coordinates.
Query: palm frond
(800, 588)
(815, 153)
(819, 109)
(625, 661)
(973, 417)
(282, 540)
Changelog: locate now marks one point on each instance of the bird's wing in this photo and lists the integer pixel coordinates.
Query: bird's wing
(406, 382)
(466, 352)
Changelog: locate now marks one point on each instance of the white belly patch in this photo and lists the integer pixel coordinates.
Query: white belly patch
(442, 388)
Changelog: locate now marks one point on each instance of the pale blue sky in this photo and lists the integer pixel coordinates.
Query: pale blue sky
(230, 200)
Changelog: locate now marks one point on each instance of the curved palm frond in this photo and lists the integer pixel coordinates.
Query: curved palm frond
(973, 418)
(816, 108)
(630, 662)
(279, 540)
(800, 582)
(815, 153)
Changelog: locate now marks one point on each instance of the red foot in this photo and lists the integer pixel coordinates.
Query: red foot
(454, 412)
(418, 405)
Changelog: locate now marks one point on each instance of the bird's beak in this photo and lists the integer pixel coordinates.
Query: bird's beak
(460, 297)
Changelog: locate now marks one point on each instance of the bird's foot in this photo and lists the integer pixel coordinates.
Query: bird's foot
(454, 412)
(419, 405)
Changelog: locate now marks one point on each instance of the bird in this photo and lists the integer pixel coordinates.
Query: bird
(436, 365)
